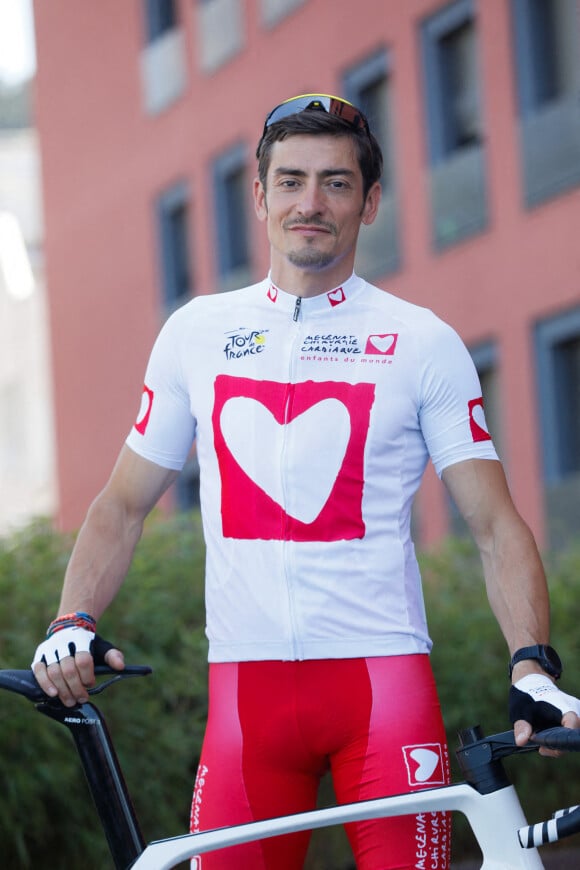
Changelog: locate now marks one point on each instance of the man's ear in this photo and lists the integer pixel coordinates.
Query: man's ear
(372, 202)
(260, 204)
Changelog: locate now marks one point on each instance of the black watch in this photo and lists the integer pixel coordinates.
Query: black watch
(546, 656)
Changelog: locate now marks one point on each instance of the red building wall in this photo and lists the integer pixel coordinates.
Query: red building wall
(105, 160)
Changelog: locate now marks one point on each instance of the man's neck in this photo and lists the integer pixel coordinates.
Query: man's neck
(307, 283)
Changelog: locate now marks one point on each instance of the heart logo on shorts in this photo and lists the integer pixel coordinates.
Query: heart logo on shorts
(427, 761)
(424, 764)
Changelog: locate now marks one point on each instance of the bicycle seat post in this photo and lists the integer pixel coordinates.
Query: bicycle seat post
(104, 776)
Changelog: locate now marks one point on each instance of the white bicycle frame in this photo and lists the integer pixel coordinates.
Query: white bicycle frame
(485, 797)
(494, 818)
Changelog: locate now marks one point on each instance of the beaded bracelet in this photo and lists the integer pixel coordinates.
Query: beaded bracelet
(72, 620)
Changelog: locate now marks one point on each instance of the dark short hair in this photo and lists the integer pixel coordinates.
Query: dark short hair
(313, 122)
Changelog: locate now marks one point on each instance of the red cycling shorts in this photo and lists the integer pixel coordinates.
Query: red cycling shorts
(275, 727)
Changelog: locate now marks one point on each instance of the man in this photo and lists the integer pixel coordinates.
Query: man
(315, 400)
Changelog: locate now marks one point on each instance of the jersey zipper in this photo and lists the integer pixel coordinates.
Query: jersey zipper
(297, 305)
(286, 542)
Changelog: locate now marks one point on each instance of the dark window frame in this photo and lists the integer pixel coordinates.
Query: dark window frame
(550, 336)
(160, 16)
(357, 79)
(174, 233)
(536, 65)
(228, 222)
(547, 72)
(435, 29)
(378, 257)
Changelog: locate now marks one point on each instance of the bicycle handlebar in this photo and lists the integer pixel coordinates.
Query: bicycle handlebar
(565, 822)
(23, 682)
(566, 739)
(503, 744)
(562, 824)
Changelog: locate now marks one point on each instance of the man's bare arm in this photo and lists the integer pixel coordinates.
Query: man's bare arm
(100, 560)
(513, 570)
(514, 574)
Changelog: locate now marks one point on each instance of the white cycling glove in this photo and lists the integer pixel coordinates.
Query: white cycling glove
(536, 699)
(63, 643)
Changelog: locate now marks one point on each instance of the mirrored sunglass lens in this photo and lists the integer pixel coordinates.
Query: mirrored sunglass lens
(333, 105)
(297, 104)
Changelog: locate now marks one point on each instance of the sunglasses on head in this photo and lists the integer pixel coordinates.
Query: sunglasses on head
(323, 103)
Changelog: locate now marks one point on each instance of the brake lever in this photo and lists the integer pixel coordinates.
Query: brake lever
(116, 676)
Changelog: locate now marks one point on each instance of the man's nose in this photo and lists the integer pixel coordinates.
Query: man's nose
(312, 200)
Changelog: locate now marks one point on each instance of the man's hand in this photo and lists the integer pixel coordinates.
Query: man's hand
(536, 703)
(64, 663)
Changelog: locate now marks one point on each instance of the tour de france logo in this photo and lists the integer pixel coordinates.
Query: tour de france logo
(245, 342)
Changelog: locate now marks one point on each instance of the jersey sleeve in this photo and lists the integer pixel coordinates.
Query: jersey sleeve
(451, 410)
(165, 427)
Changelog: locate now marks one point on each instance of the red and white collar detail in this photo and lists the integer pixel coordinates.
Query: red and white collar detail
(336, 296)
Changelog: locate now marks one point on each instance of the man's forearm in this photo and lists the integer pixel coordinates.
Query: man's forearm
(100, 558)
(518, 592)
(514, 574)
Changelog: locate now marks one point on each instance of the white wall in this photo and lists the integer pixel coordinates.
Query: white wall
(27, 466)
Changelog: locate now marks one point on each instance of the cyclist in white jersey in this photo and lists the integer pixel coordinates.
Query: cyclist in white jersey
(315, 401)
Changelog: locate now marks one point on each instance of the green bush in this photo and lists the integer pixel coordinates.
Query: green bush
(46, 816)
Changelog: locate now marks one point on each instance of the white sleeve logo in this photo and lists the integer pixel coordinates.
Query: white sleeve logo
(145, 410)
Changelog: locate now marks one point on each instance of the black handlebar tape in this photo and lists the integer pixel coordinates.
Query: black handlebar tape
(567, 739)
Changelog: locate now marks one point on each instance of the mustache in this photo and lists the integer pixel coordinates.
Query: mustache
(312, 222)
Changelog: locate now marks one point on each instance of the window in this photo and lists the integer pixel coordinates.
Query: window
(459, 96)
(273, 11)
(160, 16)
(174, 238)
(220, 32)
(454, 125)
(231, 203)
(567, 372)
(368, 86)
(546, 33)
(557, 344)
(450, 64)
(558, 362)
(163, 62)
(547, 57)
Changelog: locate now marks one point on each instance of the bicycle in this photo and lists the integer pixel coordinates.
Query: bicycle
(486, 796)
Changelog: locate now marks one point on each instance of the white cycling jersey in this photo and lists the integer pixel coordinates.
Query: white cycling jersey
(314, 419)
